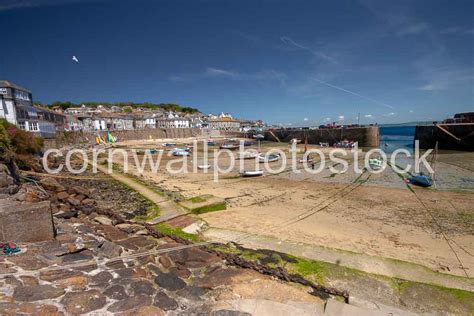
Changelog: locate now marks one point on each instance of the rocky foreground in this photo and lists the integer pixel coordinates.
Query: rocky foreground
(90, 259)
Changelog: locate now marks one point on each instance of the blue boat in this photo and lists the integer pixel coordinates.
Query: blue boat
(421, 180)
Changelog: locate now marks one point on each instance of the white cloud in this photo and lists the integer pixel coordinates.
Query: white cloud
(456, 30)
(411, 111)
(443, 78)
(220, 72)
(341, 117)
(413, 29)
(390, 114)
(289, 41)
(19, 4)
(327, 119)
(368, 116)
(305, 119)
(212, 72)
(353, 93)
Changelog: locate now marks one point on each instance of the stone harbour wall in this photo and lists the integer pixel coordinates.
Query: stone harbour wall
(449, 136)
(366, 136)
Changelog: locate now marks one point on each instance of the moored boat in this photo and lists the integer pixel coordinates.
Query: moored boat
(269, 158)
(375, 164)
(230, 146)
(252, 173)
(249, 155)
(178, 152)
(421, 180)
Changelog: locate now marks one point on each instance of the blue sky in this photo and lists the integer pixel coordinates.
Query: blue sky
(290, 62)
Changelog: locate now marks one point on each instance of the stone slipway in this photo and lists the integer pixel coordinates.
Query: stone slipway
(168, 208)
(370, 264)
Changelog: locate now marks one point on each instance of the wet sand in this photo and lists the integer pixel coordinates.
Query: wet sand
(374, 214)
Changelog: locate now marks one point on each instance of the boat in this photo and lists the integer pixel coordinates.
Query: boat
(269, 158)
(248, 143)
(345, 144)
(178, 152)
(230, 146)
(203, 167)
(210, 142)
(249, 155)
(252, 173)
(259, 137)
(421, 180)
(169, 144)
(375, 164)
(307, 160)
(295, 141)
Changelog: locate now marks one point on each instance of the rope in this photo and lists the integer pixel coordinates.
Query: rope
(442, 233)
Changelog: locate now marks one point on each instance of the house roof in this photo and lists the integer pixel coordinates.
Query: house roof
(8, 84)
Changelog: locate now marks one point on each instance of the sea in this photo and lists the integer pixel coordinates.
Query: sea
(395, 137)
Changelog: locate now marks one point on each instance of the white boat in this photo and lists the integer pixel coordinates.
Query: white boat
(203, 167)
(180, 152)
(375, 164)
(229, 146)
(269, 158)
(253, 173)
(249, 155)
(309, 160)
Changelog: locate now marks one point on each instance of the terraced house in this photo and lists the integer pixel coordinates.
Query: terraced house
(16, 106)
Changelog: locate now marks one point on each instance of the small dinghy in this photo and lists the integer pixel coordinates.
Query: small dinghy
(375, 164)
(307, 160)
(421, 180)
(253, 173)
(269, 158)
(259, 137)
(179, 152)
(169, 144)
(230, 146)
(204, 167)
(249, 155)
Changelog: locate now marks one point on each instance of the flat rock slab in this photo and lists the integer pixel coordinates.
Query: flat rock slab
(131, 302)
(142, 287)
(33, 293)
(83, 302)
(116, 292)
(216, 278)
(36, 221)
(165, 302)
(193, 258)
(144, 311)
(170, 281)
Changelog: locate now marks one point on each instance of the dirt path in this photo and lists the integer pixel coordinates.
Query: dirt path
(168, 208)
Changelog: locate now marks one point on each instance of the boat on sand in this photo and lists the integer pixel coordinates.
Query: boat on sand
(252, 173)
(269, 158)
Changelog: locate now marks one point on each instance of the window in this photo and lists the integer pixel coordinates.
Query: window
(3, 90)
(34, 126)
(21, 125)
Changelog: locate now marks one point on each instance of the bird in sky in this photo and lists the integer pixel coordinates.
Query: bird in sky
(74, 58)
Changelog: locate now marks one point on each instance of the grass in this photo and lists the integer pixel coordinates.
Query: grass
(209, 208)
(175, 231)
(466, 217)
(199, 199)
(418, 295)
